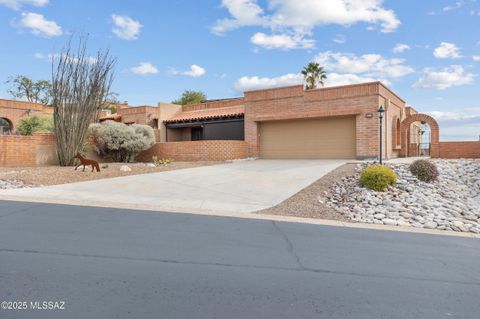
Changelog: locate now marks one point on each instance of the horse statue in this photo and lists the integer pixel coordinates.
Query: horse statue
(86, 162)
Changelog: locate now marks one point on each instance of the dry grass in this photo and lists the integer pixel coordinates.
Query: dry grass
(306, 202)
(54, 175)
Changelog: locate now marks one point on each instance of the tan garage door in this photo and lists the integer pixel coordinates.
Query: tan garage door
(308, 139)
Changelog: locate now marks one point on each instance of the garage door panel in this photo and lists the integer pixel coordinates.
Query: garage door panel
(308, 139)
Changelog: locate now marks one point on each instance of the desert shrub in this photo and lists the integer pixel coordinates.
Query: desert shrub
(377, 177)
(424, 170)
(161, 161)
(121, 142)
(35, 123)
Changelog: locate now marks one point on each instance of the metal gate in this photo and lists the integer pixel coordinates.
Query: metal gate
(419, 142)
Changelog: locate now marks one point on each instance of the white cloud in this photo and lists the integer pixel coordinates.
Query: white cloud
(144, 68)
(125, 27)
(464, 130)
(195, 71)
(455, 5)
(401, 47)
(452, 116)
(243, 12)
(476, 58)
(38, 25)
(340, 38)
(247, 83)
(447, 50)
(17, 4)
(300, 17)
(281, 41)
(335, 79)
(343, 69)
(306, 14)
(445, 78)
(89, 59)
(368, 65)
(53, 56)
(39, 56)
(463, 124)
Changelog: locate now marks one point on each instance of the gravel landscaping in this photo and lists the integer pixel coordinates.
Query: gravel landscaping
(452, 202)
(309, 202)
(21, 177)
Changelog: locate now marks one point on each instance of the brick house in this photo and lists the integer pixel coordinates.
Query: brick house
(16, 150)
(293, 123)
(12, 112)
(280, 123)
(334, 122)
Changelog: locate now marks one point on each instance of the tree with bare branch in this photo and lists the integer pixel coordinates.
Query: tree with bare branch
(80, 85)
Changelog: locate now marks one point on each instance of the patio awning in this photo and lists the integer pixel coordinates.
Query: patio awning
(208, 114)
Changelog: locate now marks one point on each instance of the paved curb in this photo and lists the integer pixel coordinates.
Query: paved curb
(290, 219)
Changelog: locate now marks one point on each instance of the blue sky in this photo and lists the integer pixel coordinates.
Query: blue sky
(426, 51)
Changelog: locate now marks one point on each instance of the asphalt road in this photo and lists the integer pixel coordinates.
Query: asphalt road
(111, 263)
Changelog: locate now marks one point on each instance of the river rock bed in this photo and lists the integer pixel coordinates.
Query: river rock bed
(452, 202)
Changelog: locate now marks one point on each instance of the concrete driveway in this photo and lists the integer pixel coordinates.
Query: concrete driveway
(239, 187)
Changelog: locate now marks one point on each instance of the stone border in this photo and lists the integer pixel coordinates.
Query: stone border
(289, 219)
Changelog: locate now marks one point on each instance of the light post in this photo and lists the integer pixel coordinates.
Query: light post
(380, 111)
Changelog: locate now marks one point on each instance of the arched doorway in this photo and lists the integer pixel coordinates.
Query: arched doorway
(419, 136)
(6, 126)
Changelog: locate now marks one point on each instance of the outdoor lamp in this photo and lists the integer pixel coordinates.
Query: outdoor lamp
(380, 111)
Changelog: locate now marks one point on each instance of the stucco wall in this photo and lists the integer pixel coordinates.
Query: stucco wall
(166, 111)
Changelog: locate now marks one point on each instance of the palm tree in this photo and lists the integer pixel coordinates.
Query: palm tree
(313, 74)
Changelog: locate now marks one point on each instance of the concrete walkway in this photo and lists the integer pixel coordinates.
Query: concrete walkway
(239, 187)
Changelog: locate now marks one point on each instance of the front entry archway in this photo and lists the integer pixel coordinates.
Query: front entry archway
(5, 126)
(434, 133)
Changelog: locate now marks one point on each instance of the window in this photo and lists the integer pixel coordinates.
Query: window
(197, 133)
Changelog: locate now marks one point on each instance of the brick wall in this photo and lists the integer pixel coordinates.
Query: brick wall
(189, 151)
(36, 150)
(213, 104)
(460, 149)
(139, 114)
(156, 132)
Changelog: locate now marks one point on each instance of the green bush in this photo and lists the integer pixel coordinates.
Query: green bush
(35, 123)
(377, 177)
(121, 142)
(424, 170)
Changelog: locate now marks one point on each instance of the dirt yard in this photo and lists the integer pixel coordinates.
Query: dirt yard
(306, 203)
(54, 175)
